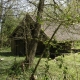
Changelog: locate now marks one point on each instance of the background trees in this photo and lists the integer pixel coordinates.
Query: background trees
(10, 16)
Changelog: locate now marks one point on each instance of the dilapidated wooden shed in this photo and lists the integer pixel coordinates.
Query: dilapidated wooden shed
(66, 36)
(63, 36)
(17, 37)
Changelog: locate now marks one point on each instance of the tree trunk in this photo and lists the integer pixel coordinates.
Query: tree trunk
(35, 35)
(1, 23)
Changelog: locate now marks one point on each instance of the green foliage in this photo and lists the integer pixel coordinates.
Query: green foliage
(61, 68)
(0, 10)
(15, 69)
(68, 12)
(10, 23)
(77, 45)
(46, 70)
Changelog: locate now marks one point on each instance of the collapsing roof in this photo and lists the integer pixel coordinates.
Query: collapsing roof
(71, 33)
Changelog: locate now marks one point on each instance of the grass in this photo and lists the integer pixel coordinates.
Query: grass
(61, 68)
(77, 44)
(6, 64)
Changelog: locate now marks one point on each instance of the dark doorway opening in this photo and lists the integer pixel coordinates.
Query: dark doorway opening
(20, 47)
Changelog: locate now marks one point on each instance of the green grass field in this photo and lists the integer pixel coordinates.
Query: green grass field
(61, 68)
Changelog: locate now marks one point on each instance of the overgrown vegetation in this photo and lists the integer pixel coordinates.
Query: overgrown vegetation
(63, 13)
(61, 68)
